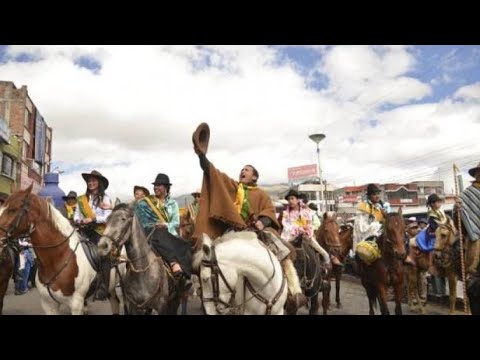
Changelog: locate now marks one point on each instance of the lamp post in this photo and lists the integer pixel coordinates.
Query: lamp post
(317, 138)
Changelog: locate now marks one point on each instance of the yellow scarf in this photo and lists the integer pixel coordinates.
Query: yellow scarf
(70, 211)
(162, 215)
(300, 222)
(87, 212)
(240, 200)
(370, 209)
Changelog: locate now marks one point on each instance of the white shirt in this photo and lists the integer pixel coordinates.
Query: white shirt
(101, 215)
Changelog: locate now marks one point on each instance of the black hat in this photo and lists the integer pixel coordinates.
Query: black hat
(162, 179)
(4, 196)
(373, 189)
(423, 220)
(144, 189)
(313, 206)
(70, 195)
(97, 175)
(433, 198)
(472, 170)
(292, 192)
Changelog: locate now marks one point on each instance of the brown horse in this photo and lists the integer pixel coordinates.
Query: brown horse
(6, 270)
(446, 259)
(345, 241)
(388, 270)
(415, 276)
(64, 272)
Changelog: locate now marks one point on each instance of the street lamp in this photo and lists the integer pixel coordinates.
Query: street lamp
(317, 138)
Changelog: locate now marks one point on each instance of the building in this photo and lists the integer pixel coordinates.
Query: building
(33, 136)
(411, 196)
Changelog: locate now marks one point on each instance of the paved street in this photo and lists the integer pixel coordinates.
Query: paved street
(352, 294)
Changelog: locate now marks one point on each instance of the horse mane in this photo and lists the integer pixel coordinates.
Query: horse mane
(239, 235)
(121, 206)
(61, 223)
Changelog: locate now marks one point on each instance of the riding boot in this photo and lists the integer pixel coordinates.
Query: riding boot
(296, 299)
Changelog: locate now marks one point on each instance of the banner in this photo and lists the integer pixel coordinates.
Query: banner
(40, 133)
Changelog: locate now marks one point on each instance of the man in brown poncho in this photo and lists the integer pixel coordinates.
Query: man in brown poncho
(227, 204)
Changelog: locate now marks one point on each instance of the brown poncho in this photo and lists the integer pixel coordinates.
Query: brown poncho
(217, 212)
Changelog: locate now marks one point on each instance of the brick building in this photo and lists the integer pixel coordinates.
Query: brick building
(32, 135)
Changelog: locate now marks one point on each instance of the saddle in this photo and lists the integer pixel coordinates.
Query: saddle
(102, 265)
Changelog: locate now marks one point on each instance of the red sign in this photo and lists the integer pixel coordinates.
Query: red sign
(301, 172)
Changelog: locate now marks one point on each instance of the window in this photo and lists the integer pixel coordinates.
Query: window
(27, 118)
(8, 165)
(24, 150)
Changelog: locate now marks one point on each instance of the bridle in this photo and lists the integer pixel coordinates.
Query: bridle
(217, 274)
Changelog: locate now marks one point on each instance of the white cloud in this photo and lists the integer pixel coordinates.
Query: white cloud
(135, 117)
(469, 92)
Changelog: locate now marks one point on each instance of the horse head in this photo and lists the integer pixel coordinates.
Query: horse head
(391, 242)
(187, 226)
(17, 213)
(118, 229)
(328, 233)
(218, 295)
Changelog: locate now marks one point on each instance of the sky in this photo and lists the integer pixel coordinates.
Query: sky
(389, 113)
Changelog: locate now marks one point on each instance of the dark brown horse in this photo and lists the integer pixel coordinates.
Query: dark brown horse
(338, 243)
(186, 229)
(388, 270)
(6, 270)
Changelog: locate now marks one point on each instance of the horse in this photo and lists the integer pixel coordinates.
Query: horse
(6, 270)
(239, 275)
(64, 273)
(313, 276)
(446, 259)
(186, 230)
(387, 270)
(414, 276)
(338, 243)
(147, 284)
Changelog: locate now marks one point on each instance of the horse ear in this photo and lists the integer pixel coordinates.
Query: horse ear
(28, 190)
(400, 212)
(325, 215)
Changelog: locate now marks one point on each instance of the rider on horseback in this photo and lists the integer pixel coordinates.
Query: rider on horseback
(370, 217)
(227, 204)
(159, 216)
(297, 221)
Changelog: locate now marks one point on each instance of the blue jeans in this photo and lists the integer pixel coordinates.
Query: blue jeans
(22, 286)
(438, 285)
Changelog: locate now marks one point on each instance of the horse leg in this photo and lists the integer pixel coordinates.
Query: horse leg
(338, 277)
(398, 291)
(77, 306)
(382, 299)
(411, 288)
(50, 307)
(452, 287)
(113, 298)
(184, 303)
(372, 297)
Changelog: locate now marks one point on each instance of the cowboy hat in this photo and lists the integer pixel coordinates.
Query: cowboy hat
(144, 189)
(373, 189)
(98, 176)
(292, 192)
(200, 138)
(162, 179)
(473, 170)
(70, 195)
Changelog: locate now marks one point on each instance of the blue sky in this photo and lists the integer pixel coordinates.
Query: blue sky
(132, 109)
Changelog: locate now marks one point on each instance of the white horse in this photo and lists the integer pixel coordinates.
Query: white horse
(64, 273)
(239, 275)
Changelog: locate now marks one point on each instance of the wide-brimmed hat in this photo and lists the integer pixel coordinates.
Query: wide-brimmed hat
(423, 220)
(196, 192)
(412, 219)
(4, 196)
(292, 192)
(70, 195)
(472, 170)
(373, 189)
(97, 175)
(433, 198)
(162, 179)
(201, 138)
(144, 189)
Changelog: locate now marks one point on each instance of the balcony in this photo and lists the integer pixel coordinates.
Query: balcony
(4, 131)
